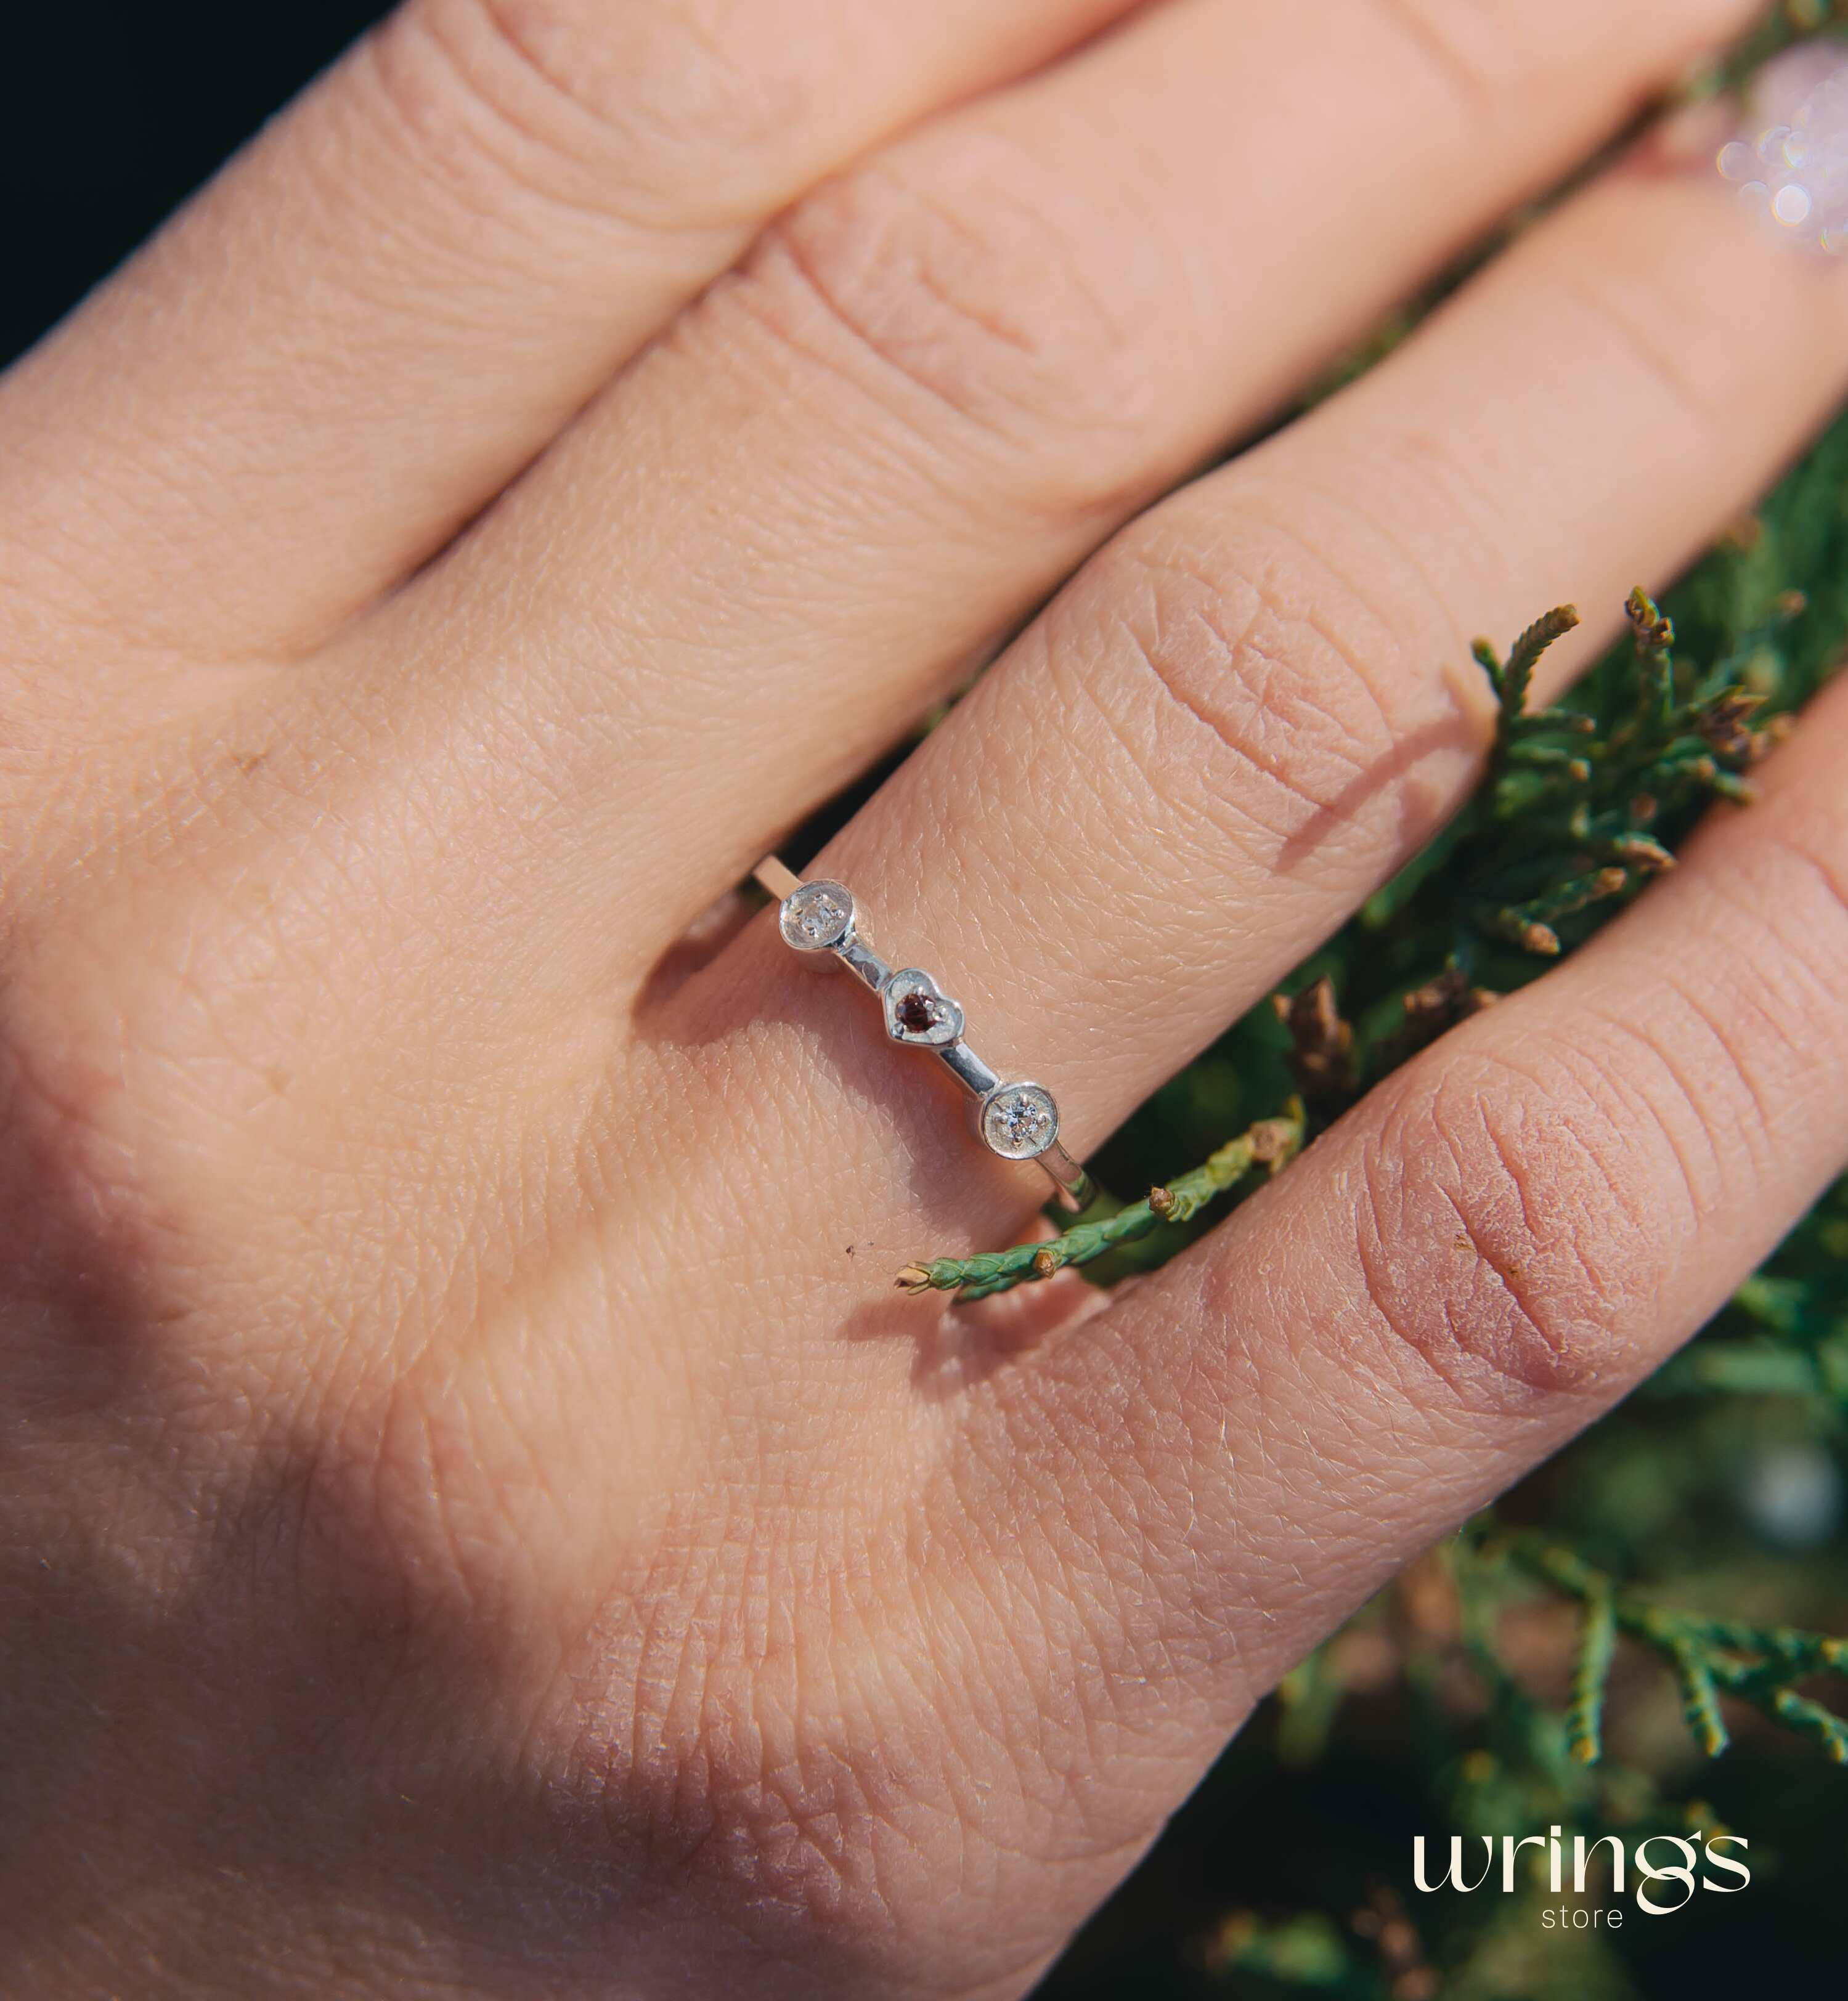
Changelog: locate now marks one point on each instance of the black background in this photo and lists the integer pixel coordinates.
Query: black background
(111, 115)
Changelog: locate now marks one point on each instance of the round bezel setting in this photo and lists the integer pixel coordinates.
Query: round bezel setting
(817, 917)
(1019, 1121)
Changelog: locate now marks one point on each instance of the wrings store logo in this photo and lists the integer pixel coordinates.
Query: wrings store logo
(1660, 1885)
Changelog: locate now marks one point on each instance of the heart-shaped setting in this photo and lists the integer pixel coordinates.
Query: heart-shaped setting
(917, 1012)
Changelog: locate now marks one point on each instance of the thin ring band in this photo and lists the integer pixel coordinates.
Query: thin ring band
(1018, 1121)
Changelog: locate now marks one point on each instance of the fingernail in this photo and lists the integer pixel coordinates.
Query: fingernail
(1788, 158)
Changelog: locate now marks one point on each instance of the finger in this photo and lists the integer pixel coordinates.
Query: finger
(1258, 702)
(404, 288)
(943, 379)
(1496, 1245)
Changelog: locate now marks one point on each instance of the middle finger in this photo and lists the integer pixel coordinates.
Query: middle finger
(1258, 702)
(939, 383)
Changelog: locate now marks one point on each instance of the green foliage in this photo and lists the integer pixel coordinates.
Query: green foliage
(1640, 1603)
(1762, 1665)
(1785, 1333)
(1109, 1225)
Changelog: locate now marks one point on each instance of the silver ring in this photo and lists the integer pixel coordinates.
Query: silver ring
(1018, 1121)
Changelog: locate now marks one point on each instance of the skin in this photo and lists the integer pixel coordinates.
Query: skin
(474, 1519)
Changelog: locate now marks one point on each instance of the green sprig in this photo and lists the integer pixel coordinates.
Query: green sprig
(1565, 817)
(1271, 1144)
(1758, 1665)
(1597, 1649)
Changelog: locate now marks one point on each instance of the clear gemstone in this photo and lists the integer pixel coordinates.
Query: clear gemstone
(1019, 1121)
(817, 916)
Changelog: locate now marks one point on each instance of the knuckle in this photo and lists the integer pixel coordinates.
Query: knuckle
(1261, 690)
(134, 1046)
(1466, 45)
(1521, 1218)
(662, 117)
(1487, 55)
(1634, 312)
(79, 1191)
(72, 1219)
(744, 1793)
(1501, 1243)
(964, 289)
(742, 1767)
(86, 1123)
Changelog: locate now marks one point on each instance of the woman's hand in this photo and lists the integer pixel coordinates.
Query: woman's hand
(476, 1517)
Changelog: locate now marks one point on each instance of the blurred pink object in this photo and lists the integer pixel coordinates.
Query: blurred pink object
(1791, 165)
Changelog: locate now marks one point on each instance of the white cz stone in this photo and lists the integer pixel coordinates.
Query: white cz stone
(1019, 1121)
(818, 917)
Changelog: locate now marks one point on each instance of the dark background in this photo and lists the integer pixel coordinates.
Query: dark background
(112, 114)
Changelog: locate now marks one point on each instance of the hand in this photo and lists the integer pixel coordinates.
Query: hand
(476, 1519)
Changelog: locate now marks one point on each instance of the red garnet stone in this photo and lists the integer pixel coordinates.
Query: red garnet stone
(916, 1014)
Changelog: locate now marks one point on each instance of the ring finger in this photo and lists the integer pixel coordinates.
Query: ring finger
(1257, 701)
